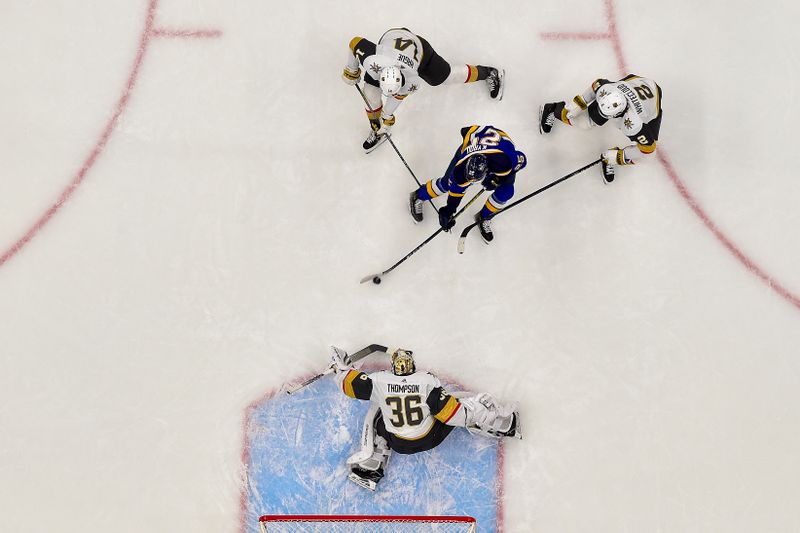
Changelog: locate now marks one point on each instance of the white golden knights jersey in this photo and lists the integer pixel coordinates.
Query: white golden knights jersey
(642, 118)
(396, 48)
(410, 405)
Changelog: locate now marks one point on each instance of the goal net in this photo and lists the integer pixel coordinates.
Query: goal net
(366, 524)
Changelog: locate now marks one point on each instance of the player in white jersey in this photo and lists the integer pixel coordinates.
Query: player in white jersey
(396, 67)
(632, 104)
(412, 413)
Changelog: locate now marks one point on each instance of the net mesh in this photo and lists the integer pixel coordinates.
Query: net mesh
(366, 524)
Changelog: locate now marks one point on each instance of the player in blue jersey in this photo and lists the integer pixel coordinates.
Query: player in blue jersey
(486, 155)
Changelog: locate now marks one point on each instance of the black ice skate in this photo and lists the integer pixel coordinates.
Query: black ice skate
(496, 83)
(415, 205)
(365, 478)
(374, 140)
(608, 171)
(485, 227)
(547, 117)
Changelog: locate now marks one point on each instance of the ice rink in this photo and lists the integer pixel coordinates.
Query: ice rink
(186, 211)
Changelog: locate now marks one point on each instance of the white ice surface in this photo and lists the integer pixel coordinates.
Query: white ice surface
(213, 252)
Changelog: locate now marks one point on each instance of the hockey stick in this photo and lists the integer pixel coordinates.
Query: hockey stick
(389, 138)
(462, 240)
(358, 356)
(376, 278)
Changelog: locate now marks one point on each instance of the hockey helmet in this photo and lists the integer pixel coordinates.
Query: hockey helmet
(391, 80)
(611, 101)
(477, 167)
(403, 362)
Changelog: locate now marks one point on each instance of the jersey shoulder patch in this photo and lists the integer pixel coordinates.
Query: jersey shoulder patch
(357, 385)
(362, 48)
(599, 82)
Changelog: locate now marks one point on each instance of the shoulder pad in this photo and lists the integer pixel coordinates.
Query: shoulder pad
(599, 82)
(354, 42)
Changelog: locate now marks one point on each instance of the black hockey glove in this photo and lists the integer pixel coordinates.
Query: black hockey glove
(446, 220)
(491, 182)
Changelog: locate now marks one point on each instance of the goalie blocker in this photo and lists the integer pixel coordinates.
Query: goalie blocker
(411, 412)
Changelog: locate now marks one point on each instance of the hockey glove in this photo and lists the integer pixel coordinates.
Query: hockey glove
(338, 360)
(386, 124)
(446, 220)
(492, 182)
(350, 77)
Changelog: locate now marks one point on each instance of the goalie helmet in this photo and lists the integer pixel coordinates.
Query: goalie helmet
(477, 167)
(611, 102)
(391, 80)
(403, 362)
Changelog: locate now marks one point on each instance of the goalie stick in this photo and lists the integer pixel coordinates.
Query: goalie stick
(376, 278)
(462, 240)
(358, 356)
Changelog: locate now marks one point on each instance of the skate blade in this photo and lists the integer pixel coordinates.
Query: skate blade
(382, 139)
(541, 110)
(502, 72)
(367, 484)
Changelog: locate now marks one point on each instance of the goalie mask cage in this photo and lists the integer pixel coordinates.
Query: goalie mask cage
(366, 524)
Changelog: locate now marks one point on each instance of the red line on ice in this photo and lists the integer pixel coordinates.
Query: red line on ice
(574, 36)
(661, 156)
(253, 406)
(203, 34)
(148, 32)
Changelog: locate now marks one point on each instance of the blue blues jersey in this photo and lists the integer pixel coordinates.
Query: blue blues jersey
(503, 162)
(503, 159)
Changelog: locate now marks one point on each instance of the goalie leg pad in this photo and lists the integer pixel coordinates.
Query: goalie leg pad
(374, 453)
(488, 417)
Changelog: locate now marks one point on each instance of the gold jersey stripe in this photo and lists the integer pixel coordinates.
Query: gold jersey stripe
(488, 205)
(347, 385)
(579, 101)
(429, 188)
(467, 137)
(448, 410)
(647, 148)
(490, 151)
(456, 194)
(354, 42)
(415, 438)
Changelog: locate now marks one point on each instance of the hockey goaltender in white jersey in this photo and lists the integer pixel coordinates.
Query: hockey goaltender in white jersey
(411, 413)
(632, 104)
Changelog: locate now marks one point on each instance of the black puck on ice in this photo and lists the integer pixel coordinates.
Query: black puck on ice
(376, 280)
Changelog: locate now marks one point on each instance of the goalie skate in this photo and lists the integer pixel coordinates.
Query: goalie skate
(366, 478)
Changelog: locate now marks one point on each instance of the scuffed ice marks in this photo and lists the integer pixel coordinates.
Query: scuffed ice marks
(299, 446)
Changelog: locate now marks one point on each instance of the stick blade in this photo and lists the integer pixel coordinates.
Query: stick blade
(462, 240)
(370, 277)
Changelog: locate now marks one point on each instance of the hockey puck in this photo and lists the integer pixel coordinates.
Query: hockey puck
(376, 280)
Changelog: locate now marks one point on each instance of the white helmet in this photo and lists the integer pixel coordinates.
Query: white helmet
(611, 101)
(391, 79)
